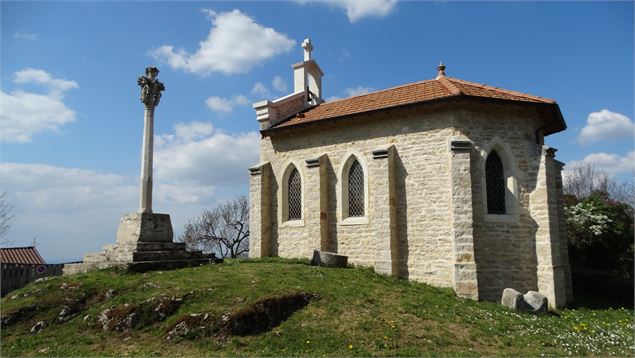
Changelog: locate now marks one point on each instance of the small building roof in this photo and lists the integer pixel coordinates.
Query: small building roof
(433, 90)
(21, 255)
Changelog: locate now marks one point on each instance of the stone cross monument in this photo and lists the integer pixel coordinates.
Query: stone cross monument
(144, 225)
(151, 90)
(144, 239)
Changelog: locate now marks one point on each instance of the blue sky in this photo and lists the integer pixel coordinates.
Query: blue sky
(71, 119)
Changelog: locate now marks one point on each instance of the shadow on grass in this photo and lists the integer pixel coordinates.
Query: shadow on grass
(601, 290)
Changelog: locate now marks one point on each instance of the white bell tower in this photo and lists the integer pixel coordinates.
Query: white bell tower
(307, 75)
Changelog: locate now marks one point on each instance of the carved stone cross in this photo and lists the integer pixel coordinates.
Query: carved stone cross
(306, 45)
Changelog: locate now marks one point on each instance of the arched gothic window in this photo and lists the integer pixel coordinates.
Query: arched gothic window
(495, 184)
(356, 190)
(295, 195)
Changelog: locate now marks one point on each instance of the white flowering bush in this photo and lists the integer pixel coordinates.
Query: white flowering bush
(586, 216)
(600, 232)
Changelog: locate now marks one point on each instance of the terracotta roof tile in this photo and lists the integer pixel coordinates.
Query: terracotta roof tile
(422, 91)
(21, 255)
(481, 90)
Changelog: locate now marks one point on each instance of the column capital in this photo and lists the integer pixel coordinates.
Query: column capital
(384, 152)
(460, 145)
(257, 169)
(151, 87)
(313, 162)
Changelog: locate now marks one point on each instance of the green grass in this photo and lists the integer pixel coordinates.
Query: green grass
(359, 313)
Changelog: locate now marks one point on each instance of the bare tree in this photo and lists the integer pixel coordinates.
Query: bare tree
(223, 230)
(6, 215)
(581, 181)
(624, 192)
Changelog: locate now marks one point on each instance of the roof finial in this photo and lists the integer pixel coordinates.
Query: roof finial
(441, 69)
(306, 45)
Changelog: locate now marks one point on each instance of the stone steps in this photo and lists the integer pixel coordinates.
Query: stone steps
(144, 242)
(141, 266)
(95, 258)
(70, 269)
(166, 255)
(160, 246)
(170, 264)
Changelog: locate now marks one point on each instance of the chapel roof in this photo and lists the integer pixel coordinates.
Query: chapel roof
(440, 88)
(21, 255)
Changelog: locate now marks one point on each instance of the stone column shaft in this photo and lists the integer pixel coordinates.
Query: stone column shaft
(260, 211)
(465, 273)
(145, 196)
(383, 213)
(544, 211)
(151, 89)
(316, 204)
(563, 238)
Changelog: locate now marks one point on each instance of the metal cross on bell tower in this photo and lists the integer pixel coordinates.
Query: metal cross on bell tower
(306, 45)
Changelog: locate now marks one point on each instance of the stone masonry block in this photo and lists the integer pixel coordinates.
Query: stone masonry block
(146, 227)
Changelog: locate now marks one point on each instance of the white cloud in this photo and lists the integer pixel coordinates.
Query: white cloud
(235, 44)
(183, 193)
(358, 91)
(352, 92)
(62, 207)
(610, 163)
(606, 125)
(25, 36)
(56, 86)
(345, 55)
(279, 84)
(193, 130)
(260, 91)
(23, 114)
(359, 9)
(225, 105)
(69, 211)
(218, 158)
(219, 104)
(47, 180)
(75, 211)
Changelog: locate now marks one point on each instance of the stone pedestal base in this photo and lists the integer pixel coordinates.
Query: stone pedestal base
(144, 243)
(144, 227)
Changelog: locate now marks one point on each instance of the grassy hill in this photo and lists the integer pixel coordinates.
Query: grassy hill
(286, 308)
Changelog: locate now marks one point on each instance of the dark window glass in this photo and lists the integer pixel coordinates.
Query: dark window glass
(495, 182)
(295, 195)
(356, 190)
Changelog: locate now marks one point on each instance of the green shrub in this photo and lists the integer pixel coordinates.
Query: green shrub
(600, 233)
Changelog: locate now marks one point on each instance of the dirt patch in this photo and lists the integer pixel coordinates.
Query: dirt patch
(131, 315)
(265, 314)
(57, 307)
(72, 307)
(104, 296)
(118, 318)
(259, 317)
(192, 326)
(18, 315)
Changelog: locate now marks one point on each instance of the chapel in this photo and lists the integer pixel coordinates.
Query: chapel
(442, 181)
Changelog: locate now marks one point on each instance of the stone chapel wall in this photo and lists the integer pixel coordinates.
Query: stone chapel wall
(504, 247)
(421, 167)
